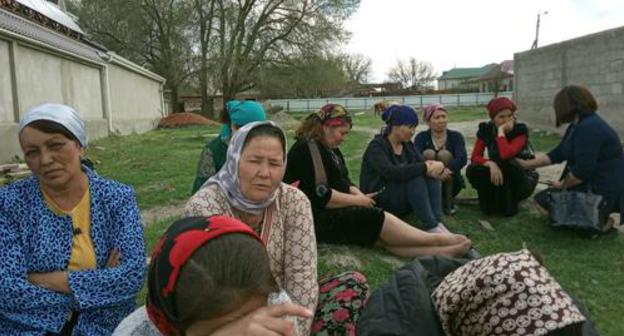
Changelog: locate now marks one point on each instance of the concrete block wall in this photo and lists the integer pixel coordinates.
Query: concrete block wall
(595, 61)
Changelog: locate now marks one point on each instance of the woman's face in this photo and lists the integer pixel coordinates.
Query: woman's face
(261, 167)
(404, 132)
(438, 121)
(335, 135)
(208, 327)
(53, 158)
(503, 117)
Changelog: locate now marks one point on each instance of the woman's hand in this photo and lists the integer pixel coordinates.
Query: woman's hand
(524, 164)
(353, 190)
(266, 321)
(434, 168)
(556, 184)
(446, 175)
(496, 175)
(57, 281)
(365, 200)
(113, 259)
(506, 127)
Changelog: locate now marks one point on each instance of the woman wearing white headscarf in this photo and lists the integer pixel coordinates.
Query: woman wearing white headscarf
(73, 255)
(249, 187)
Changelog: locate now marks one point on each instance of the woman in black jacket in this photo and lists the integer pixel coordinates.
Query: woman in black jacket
(440, 143)
(342, 213)
(392, 163)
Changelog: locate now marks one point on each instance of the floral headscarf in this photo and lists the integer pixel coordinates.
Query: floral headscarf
(503, 294)
(334, 115)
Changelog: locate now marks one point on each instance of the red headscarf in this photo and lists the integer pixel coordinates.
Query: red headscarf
(498, 104)
(171, 253)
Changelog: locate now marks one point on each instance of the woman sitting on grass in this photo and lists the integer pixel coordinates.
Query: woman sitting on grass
(342, 213)
(235, 115)
(72, 256)
(409, 183)
(447, 146)
(249, 187)
(500, 182)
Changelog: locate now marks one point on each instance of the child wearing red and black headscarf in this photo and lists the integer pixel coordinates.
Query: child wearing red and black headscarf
(500, 183)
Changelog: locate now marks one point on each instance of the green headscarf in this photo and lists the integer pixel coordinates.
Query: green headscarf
(241, 114)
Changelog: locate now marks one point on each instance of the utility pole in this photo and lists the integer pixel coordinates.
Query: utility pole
(537, 26)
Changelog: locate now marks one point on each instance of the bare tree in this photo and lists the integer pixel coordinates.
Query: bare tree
(251, 33)
(204, 14)
(412, 74)
(357, 68)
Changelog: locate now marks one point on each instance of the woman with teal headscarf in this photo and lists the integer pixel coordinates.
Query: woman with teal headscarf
(236, 115)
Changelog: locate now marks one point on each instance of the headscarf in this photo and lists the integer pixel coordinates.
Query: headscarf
(240, 114)
(430, 110)
(60, 114)
(228, 177)
(507, 293)
(171, 253)
(498, 104)
(398, 115)
(334, 115)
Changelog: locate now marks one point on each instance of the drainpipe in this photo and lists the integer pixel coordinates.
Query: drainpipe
(105, 85)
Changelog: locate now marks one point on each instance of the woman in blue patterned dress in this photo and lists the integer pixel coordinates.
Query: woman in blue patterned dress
(73, 255)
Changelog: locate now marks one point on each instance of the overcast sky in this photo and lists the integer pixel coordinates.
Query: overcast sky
(459, 33)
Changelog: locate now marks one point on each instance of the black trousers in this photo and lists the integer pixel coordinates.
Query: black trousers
(518, 184)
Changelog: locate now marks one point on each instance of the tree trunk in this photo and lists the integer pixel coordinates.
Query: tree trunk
(174, 100)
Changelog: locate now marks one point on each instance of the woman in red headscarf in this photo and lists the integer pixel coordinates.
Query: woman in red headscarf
(500, 182)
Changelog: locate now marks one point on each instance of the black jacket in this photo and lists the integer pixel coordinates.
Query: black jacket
(300, 167)
(380, 164)
(403, 305)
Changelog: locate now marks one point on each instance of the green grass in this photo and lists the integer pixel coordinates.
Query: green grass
(161, 166)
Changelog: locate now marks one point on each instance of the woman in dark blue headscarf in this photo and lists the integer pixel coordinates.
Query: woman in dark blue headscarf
(405, 181)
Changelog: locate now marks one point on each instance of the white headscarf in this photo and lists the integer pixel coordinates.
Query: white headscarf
(60, 114)
(228, 177)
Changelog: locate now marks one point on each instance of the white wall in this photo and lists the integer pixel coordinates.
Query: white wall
(116, 97)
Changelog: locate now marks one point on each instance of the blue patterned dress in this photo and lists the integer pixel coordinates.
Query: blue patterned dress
(34, 240)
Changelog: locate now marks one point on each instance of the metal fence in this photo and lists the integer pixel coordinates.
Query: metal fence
(365, 103)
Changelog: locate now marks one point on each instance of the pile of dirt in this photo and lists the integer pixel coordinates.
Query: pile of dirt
(184, 119)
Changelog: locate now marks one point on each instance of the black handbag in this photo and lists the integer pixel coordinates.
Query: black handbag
(577, 209)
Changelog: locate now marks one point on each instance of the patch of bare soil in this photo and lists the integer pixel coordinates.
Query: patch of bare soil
(184, 119)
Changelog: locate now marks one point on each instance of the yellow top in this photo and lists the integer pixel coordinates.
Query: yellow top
(83, 252)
